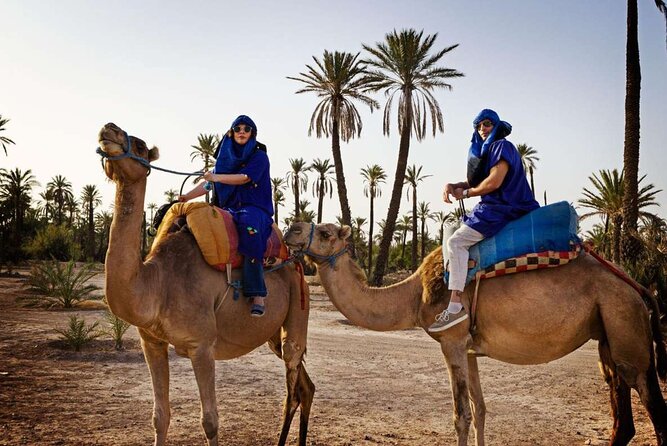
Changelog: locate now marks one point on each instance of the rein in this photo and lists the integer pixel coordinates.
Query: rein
(127, 153)
(331, 259)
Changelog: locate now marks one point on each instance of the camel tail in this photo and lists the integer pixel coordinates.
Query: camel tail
(660, 350)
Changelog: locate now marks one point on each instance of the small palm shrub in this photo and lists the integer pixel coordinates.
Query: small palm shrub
(78, 333)
(62, 285)
(117, 328)
(54, 242)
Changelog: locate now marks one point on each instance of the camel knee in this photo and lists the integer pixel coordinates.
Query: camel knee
(209, 422)
(292, 353)
(161, 420)
(629, 373)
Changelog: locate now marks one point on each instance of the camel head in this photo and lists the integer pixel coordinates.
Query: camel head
(317, 241)
(115, 142)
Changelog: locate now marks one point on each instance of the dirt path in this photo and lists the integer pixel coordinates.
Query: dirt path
(372, 389)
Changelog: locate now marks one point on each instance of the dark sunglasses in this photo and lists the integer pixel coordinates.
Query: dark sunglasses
(485, 123)
(242, 128)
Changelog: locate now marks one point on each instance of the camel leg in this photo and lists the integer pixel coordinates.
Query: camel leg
(651, 397)
(306, 392)
(619, 395)
(477, 400)
(456, 357)
(203, 365)
(156, 355)
(292, 355)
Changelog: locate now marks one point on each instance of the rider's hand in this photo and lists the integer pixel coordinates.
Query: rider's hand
(209, 176)
(449, 190)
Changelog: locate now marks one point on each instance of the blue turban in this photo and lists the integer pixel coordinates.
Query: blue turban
(231, 156)
(479, 148)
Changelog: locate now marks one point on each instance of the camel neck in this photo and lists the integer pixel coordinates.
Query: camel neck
(123, 263)
(381, 309)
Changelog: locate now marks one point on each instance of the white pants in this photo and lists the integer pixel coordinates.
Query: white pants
(457, 253)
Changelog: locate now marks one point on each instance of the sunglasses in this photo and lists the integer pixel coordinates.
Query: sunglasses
(242, 128)
(485, 123)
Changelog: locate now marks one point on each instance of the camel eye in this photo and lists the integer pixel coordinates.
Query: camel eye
(325, 235)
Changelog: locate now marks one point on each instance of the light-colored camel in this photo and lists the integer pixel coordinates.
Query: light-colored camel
(171, 297)
(528, 318)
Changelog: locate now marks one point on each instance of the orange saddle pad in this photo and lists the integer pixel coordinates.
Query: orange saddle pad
(216, 234)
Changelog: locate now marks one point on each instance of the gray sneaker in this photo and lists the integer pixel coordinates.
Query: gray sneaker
(446, 319)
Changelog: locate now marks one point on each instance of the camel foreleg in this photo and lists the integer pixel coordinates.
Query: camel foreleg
(292, 355)
(619, 395)
(203, 364)
(156, 356)
(306, 392)
(455, 350)
(477, 400)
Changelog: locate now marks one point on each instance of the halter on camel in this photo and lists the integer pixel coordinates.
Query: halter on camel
(331, 259)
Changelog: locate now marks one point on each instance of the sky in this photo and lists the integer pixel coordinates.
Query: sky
(167, 71)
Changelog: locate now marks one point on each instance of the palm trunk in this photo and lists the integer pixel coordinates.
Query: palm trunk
(370, 236)
(346, 215)
(320, 202)
(413, 263)
(275, 213)
(297, 197)
(616, 239)
(91, 232)
(396, 194)
(423, 241)
(630, 244)
(532, 184)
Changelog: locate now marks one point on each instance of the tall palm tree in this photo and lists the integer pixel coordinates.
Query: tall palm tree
(278, 186)
(441, 218)
(90, 198)
(528, 159)
(304, 214)
(297, 180)
(61, 190)
(373, 176)
(404, 225)
(205, 151)
(322, 184)
(152, 207)
(606, 201)
(337, 80)
(3, 139)
(631, 243)
(103, 227)
(412, 178)
(16, 190)
(404, 65)
(170, 195)
(424, 213)
(359, 234)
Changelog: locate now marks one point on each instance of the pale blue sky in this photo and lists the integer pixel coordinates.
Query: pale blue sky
(166, 71)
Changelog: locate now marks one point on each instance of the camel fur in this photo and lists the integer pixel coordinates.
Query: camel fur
(175, 298)
(529, 318)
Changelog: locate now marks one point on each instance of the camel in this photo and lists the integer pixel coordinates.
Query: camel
(527, 318)
(175, 298)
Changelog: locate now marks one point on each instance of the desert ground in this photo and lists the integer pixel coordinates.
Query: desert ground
(372, 389)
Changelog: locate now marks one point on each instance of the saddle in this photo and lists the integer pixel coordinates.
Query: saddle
(215, 232)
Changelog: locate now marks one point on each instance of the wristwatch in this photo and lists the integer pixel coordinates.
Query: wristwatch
(465, 193)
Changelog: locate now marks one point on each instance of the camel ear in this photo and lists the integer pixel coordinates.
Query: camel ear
(153, 154)
(344, 232)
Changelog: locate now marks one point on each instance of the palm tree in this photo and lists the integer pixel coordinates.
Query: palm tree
(441, 218)
(152, 207)
(322, 184)
(373, 176)
(606, 201)
(278, 186)
(61, 190)
(403, 65)
(358, 234)
(631, 243)
(297, 180)
(205, 151)
(424, 213)
(103, 227)
(15, 190)
(403, 225)
(90, 198)
(3, 139)
(170, 195)
(528, 159)
(412, 178)
(337, 80)
(304, 214)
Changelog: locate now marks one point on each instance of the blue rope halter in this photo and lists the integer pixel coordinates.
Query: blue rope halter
(331, 259)
(127, 153)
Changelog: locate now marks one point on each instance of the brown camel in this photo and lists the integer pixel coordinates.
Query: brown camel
(174, 297)
(528, 318)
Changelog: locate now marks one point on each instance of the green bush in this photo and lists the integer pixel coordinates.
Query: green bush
(117, 328)
(54, 242)
(62, 285)
(78, 333)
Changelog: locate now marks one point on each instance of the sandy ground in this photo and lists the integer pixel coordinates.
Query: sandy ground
(372, 389)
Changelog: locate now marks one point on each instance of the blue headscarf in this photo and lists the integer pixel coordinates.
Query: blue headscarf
(231, 156)
(479, 148)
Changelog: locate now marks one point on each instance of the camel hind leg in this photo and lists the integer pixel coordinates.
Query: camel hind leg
(619, 394)
(651, 397)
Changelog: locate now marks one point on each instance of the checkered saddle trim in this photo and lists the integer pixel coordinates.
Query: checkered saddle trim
(528, 262)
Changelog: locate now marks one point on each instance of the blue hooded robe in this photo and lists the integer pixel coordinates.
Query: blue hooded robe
(513, 198)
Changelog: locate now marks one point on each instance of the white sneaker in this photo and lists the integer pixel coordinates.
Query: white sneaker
(446, 319)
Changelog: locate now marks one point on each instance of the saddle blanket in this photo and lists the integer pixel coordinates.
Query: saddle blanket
(544, 238)
(216, 235)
